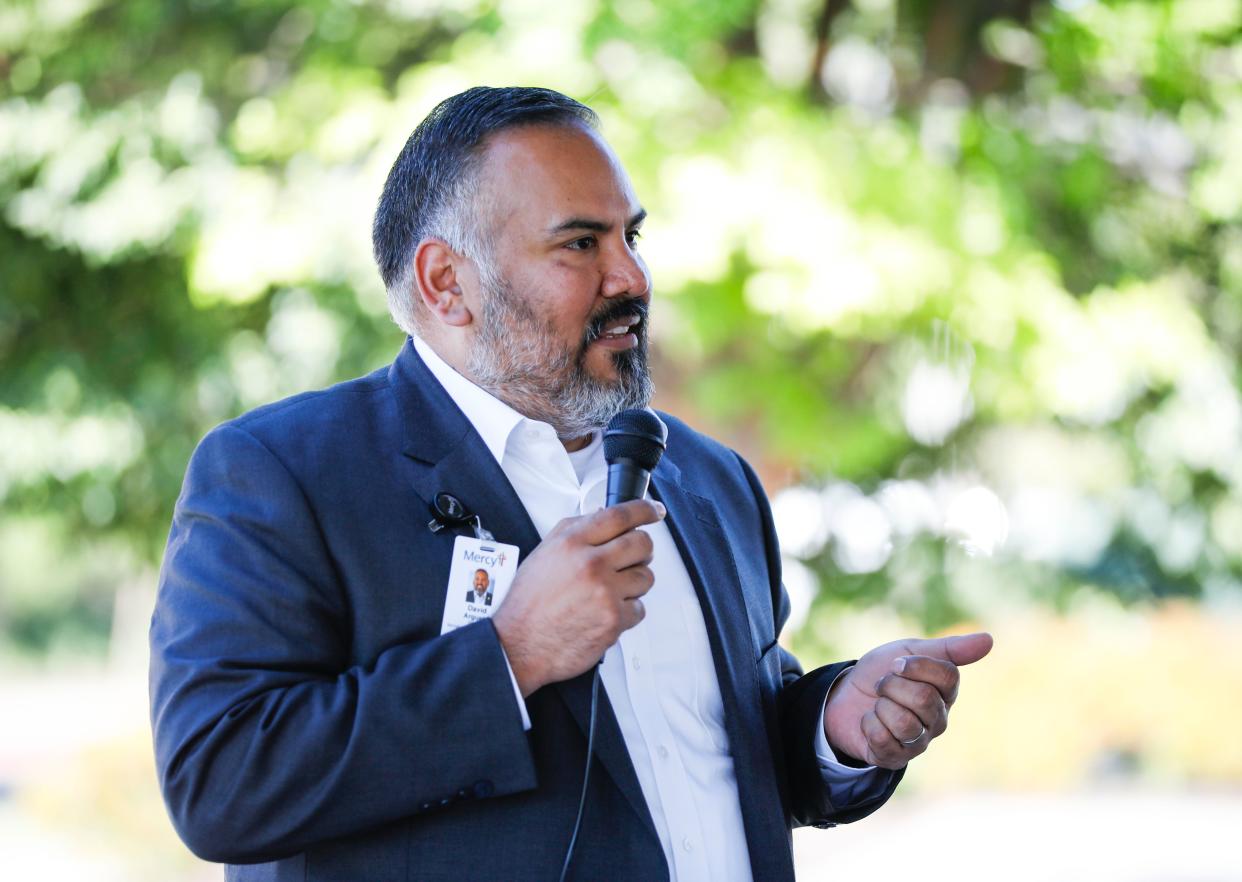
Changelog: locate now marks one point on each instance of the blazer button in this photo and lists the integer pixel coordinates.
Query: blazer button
(425, 807)
(484, 788)
(446, 801)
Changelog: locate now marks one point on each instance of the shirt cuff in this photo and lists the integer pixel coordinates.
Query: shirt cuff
(517, 693)
(830, 768)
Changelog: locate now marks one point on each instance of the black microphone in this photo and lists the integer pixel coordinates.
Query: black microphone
(634, 441)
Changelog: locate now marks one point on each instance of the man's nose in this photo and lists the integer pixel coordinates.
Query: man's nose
(627, 275)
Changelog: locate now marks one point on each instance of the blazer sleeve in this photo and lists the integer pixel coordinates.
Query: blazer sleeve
(800, 702)
(267, 740)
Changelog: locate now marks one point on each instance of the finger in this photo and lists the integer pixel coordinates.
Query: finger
(632, 612)
(905, 727)
(922, 700)
(627, 550)
(885, 751)
(943, 675)
(963, 649)
(609, 523)
(635, 582)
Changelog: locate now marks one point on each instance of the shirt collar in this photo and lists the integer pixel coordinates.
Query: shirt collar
(497, 422)
(492, 418)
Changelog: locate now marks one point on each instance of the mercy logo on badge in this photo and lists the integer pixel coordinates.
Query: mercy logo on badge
(485, 555)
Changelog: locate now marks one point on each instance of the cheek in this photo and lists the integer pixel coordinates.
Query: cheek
(562, 293)
(569, 295)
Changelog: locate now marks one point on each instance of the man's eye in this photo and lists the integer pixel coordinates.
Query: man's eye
(582, 244)
(632, 237)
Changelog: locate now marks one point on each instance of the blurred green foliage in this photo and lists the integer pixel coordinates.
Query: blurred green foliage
(959, 274)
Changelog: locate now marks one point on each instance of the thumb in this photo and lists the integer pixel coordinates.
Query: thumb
(961, 649)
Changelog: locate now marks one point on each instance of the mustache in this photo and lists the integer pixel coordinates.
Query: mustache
(610, 314)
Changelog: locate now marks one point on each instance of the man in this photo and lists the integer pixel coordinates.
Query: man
(309, 714)
(481, 594)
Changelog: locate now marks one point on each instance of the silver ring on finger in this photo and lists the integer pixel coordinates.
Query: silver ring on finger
(922, 732)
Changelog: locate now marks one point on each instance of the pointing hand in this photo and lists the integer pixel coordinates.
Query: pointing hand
(891, 704)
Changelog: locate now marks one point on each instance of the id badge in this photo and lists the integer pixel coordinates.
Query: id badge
(479, 578)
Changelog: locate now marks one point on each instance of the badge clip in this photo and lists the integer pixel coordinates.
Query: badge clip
(482, 533)
(449, 511)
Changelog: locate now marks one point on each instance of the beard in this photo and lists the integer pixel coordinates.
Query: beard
(518, 358)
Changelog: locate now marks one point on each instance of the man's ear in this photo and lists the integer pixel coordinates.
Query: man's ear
(437, 282)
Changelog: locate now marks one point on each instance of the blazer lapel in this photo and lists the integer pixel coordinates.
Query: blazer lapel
(696, 530)
(450, 457)
(705, 549)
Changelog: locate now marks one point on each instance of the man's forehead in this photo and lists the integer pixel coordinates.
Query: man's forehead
(546, 173)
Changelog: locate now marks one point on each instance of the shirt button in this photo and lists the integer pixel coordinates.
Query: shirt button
(662, 751)
(636, 663)
(687, 844)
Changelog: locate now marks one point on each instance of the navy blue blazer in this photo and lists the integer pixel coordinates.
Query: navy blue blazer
(312, 723)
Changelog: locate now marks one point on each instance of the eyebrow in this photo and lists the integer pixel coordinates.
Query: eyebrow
(595, 226)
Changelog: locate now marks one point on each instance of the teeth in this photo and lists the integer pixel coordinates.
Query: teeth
(617, 330)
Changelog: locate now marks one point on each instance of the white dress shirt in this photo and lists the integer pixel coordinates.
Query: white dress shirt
(660, 677)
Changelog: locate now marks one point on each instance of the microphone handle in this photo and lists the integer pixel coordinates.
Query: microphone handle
(626, 480)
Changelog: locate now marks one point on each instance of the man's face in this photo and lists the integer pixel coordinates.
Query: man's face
(561, 332)
(480, 582)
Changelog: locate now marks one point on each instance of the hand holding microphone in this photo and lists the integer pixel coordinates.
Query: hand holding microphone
(583, 585)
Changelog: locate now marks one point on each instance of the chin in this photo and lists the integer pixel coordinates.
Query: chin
(601, 365)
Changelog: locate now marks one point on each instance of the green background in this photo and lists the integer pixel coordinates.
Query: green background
(963, 278)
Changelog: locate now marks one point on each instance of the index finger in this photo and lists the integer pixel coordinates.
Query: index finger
(609, 523)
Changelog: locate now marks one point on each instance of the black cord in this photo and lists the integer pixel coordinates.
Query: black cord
(586, 774)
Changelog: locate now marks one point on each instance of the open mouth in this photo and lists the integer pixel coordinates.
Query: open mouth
(620, 328)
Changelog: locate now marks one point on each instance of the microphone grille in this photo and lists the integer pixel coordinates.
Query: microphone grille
(638, 435)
